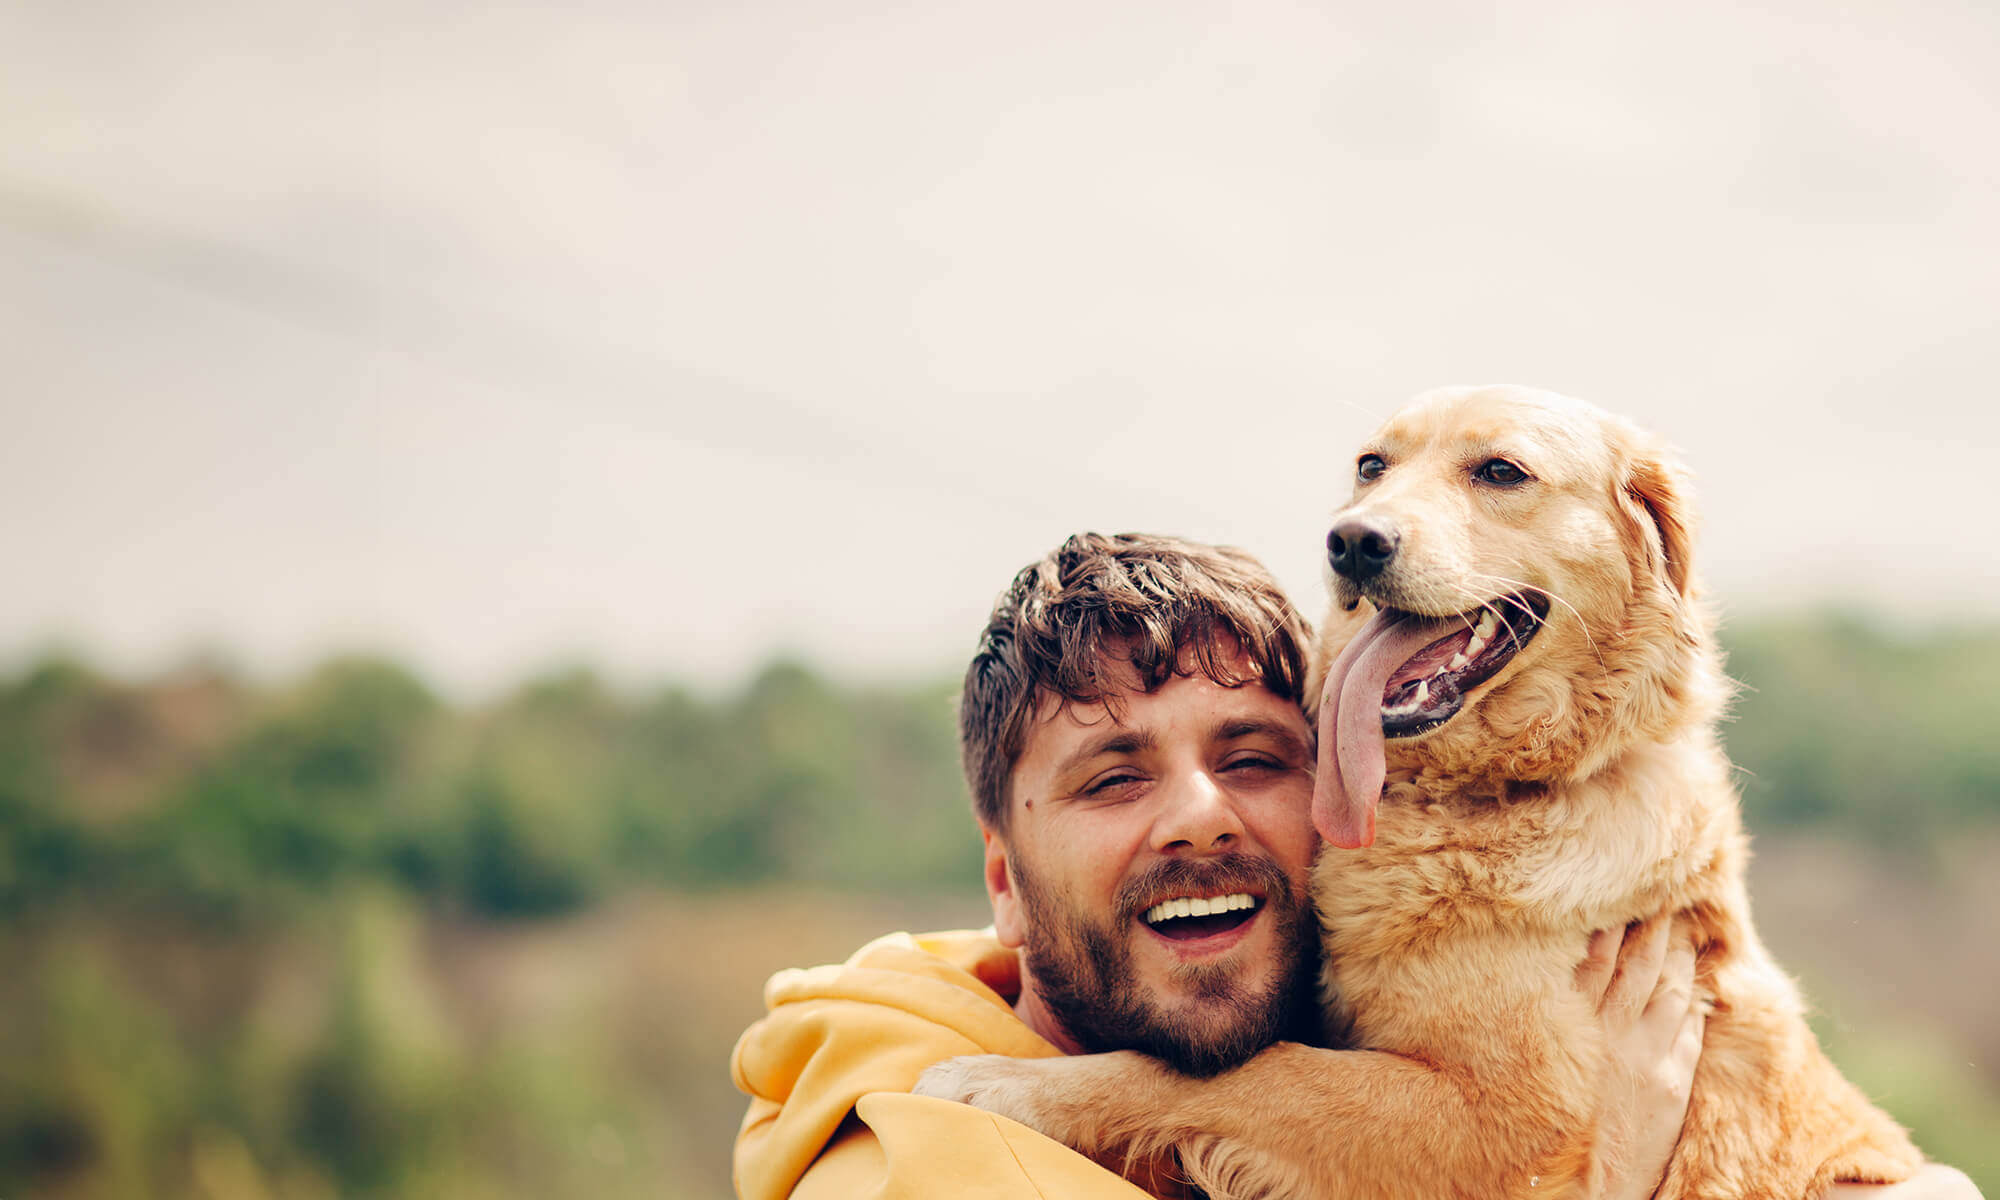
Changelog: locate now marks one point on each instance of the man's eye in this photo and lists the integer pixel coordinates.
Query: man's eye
(1369, 466)
(1500, 471)
(1110, 781)
(1261, 762)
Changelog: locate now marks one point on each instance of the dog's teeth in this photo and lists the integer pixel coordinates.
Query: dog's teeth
(1423, 695)
(1473, 647)
(1457, 662)
(1484, 630)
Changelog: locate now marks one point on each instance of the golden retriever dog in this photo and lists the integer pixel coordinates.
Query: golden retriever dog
(1518, 692)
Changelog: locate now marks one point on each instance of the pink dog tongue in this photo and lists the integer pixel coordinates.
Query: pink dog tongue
(1351, 767)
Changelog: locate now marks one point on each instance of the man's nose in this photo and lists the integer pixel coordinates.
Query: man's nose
(1200, 817)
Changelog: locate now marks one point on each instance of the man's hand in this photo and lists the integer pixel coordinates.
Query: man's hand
(1643, 986)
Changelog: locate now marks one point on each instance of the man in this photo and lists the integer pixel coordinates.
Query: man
(1140, 765)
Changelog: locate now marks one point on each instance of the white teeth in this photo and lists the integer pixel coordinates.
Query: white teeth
(1473, 647)
(1197, 906)
(1457, 661)
(1484, 630)
(1417, 700)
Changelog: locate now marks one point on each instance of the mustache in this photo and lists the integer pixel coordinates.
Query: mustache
(1235, 871)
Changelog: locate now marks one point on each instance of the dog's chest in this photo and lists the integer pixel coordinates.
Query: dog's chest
(1418, 927)
(1651, 835)
(1430, 875)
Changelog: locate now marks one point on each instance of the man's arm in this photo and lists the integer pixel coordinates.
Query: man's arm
(1338, 1102)
(1642, 987)
(1933, 1181)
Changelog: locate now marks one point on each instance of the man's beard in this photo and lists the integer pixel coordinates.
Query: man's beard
(1083, 968)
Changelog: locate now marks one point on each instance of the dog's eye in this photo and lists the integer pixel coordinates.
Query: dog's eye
(1369, 466)
(1500, 471)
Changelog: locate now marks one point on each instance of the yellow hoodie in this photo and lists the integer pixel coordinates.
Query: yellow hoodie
(830, 1069)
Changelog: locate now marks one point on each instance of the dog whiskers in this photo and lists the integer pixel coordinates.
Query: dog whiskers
(1517, 585)
(1481, 604)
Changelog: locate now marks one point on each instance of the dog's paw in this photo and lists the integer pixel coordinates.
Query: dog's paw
(1011, 1087)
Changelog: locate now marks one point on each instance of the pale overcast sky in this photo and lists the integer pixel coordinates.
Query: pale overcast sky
(668, 335)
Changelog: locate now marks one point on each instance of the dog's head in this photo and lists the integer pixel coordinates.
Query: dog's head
(1513, 600)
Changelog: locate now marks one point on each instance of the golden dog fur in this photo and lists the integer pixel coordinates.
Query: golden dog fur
(1580, 788)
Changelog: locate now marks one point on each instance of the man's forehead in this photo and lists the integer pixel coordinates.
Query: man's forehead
(1119, 682)
(1058, 720)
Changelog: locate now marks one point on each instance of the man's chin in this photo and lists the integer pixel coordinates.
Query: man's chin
(1209, 1014)
(1201, 1038)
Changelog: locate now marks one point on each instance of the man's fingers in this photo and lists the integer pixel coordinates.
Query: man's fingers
(1638, 972)
(1679, 1066)
(1653, 1031)
(1593, 974)
(1674, 992)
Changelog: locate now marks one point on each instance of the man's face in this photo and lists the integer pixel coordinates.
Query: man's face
(1192, 796)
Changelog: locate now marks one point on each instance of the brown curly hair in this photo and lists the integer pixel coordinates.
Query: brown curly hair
(1133, 598)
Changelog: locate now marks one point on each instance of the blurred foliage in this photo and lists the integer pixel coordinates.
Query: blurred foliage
(199, 793)
(250, 926)
(1882, 736)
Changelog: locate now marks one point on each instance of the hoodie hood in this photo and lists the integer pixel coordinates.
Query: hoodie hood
(852, 1038)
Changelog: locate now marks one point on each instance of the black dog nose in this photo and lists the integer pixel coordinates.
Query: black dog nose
(1360, 548)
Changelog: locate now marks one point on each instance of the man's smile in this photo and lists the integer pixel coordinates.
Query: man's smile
(1203, 922)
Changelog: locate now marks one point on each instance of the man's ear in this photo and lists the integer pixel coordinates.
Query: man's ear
(1006, 899)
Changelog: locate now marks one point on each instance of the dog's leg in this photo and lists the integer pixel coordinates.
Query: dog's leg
(1772, 1119)
(1293, 1121)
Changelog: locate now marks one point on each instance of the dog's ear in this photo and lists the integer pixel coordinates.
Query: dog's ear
(1659, 488)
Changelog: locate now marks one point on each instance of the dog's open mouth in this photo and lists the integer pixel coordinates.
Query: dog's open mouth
(1430, 687)
(1401, 675)
(1193, 917)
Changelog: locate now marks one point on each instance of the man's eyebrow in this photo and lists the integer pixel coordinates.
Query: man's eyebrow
(1236, 728)
(1114, 741)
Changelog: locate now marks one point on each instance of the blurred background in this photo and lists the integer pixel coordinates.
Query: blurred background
(497, 496)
